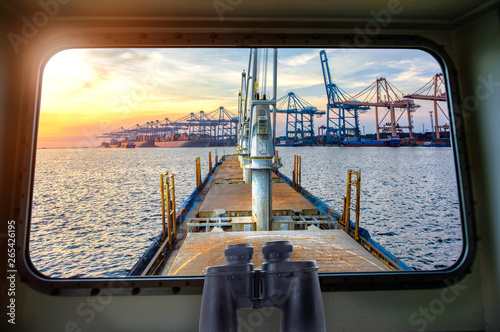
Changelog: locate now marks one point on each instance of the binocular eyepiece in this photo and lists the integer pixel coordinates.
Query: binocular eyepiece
(277, 251)
(238, 253)
(291, 286)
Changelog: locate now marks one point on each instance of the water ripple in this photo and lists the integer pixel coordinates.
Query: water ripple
(95, 211)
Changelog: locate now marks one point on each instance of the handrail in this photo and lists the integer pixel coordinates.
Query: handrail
(345, 219)
(297, 172)
(210, 162)
(198, 173)
(168, 214)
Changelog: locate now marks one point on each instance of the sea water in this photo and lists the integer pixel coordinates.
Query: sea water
(95, 211)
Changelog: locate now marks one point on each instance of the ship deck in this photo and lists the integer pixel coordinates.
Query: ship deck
(333, 250)
(236, 200)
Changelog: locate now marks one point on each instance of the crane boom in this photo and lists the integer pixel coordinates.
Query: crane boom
(342, 118)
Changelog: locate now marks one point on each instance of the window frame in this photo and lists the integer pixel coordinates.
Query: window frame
(394, 280)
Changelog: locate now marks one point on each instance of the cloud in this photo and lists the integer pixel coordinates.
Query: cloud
(299, 59)
(129, 83)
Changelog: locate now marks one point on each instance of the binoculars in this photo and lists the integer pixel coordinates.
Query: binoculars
(291, 286)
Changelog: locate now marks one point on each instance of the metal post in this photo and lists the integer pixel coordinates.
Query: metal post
(254, 92)
(163, 208)
(358, 196)
(262, 153)
(299, 176)
(247, 172)
(198, 173)
(297, 172)
(210, 161)
(174, 214)
(261, 195)
(169, 216)
(343, 216)
(261, 147)
(348, 203)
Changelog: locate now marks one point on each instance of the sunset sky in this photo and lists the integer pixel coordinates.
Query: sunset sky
(87, 92)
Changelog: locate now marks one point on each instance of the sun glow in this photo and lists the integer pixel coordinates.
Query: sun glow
(87, 92)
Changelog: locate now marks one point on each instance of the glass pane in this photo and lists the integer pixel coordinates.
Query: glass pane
(113, 120)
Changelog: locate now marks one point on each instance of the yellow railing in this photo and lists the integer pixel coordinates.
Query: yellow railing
(198, 173)
(209, 161)
(297, 172)
(345, 219)
(168, 208)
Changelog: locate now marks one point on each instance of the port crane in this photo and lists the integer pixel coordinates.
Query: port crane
(226, 128)
(385, 97)
(344, 110)
(299, 118)
(219, 124)
(342, 113)
(198, 124)
(434, 90)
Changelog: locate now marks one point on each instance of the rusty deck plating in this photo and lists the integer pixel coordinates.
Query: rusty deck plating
(333, 250)
(236, 200)
(234, 175)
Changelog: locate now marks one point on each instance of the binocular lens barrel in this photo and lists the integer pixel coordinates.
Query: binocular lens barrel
(277, 251)
(238, 253)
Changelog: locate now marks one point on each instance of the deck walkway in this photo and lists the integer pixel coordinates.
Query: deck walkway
(333, 250)
(236, 200)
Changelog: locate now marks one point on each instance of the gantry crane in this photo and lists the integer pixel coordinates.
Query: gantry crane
(343, 109)
(299, 118)
(433, 91)
(342, 117)
(382, 94)
(219, 124)
(226, 126)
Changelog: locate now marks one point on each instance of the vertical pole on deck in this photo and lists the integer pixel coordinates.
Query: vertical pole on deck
(163, 208)
(210, 161)
(299, 175)
(343, 216)
(297, 172)
(174, 214)
(169, 216)
(358, 196)
(262, 148)
(348, 203)
(198, 173)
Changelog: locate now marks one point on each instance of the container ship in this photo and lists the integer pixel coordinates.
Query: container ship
(393, 141)
(170, 141)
